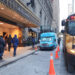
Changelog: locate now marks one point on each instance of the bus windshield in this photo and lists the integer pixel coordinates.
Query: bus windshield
(71, 27)
(46, 38)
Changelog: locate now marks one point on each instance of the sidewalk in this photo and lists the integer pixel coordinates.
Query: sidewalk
(21, 52)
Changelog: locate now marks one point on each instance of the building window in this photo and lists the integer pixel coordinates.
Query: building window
(44, 19)
(31, 3)
(40, 13)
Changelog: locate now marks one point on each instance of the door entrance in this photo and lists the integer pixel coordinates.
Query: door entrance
(6, 29)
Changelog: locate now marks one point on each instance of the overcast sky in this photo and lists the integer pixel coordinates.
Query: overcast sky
(64, 9)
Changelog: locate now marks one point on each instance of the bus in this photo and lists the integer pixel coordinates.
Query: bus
(69, 42)
(48, 40)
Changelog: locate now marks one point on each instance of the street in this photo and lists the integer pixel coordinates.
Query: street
(36, 64)
(37, 37)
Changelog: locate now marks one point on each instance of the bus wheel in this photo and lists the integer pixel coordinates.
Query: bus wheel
(70, 68)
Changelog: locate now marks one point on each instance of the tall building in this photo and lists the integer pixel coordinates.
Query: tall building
(25, 17)
(70, 9)
(56, 13)
(46, 14)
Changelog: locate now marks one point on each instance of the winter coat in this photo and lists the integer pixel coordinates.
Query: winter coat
(6, 40)
(9, 41)
(15, 41)
(33, 40)
(2, 43)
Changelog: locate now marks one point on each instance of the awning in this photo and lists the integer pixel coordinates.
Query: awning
(27, 20)
(34, 30)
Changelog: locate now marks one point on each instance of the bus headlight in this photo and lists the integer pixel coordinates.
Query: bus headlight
(71, 51)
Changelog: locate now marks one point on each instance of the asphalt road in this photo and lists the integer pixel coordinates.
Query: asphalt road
(36, 64)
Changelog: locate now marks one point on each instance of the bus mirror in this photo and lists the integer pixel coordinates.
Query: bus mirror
(62, 31)
(63, 23)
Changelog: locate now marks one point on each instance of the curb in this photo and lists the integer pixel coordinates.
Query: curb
(13, 59)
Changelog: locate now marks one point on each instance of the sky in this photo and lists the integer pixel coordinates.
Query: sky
(64, 9)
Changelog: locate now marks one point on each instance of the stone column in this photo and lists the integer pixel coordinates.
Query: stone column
(24, 33)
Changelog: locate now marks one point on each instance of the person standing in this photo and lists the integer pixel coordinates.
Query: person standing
(59, 40)
(6, 43)
(2, 45)
(15, 42)
(33, 42)
(9, 42)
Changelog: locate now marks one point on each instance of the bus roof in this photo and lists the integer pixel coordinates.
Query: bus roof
(47, 34)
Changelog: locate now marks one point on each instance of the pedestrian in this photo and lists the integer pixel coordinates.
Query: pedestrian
(9, 42)
(59, 39)
(6, 42)
(15, 42)
(33, 42)
(2, 45)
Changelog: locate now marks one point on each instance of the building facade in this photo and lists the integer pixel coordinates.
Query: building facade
(71, 7)
(24, 17)
(43, 10)
(56, 13)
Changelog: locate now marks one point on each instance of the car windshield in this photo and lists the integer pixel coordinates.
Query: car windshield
(46, 38)
(71, 28)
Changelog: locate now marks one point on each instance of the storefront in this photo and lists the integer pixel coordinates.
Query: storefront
(14, 18)
(34, 32)
(6, 29)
